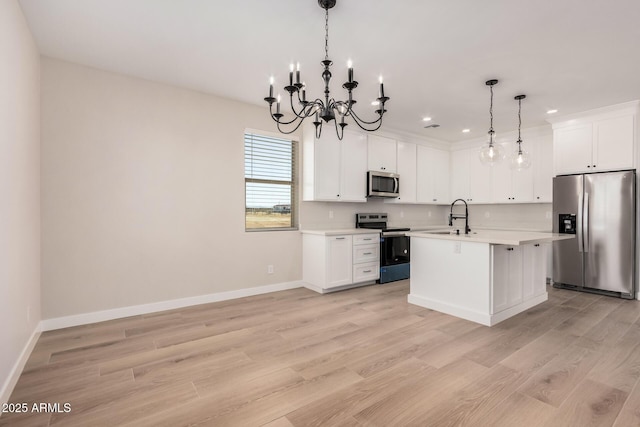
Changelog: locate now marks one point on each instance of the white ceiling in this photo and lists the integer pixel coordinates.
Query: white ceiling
(435, 56)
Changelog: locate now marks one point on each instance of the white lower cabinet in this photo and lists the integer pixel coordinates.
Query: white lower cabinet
(534, 273)
(338, 262)
(507, 277)
(519, 274)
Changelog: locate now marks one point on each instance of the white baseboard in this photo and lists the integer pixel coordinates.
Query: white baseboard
(486, 319)
(134, 310)
(16, 371)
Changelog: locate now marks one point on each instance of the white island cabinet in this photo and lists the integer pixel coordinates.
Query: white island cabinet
(486, 277)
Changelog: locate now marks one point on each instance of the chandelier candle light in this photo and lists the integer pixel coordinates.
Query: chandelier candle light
(491, 153)
(520, 159)
(327, 109)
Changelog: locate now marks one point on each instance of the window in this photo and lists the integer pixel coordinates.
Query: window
(269, 182)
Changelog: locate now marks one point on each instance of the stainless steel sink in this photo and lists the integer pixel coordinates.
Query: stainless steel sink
(445, 232)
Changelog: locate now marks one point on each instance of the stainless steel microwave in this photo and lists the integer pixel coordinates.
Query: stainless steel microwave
(383, 184)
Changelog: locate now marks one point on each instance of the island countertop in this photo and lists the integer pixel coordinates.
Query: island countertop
(494, 237)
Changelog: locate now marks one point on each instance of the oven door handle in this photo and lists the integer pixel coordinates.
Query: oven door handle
(396, 184)
(393, 235)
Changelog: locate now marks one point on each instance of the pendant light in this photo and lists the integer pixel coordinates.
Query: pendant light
(520, 159)
(491, 153)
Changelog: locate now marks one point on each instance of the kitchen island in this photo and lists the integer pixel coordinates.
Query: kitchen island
(486, 276)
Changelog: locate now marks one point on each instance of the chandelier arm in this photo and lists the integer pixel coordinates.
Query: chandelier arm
(301, 114)
(277, 119)
(292, 130)
(378, 120)
(361, 123)
(339, 132)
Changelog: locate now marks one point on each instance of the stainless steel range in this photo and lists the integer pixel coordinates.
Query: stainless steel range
(395, 250)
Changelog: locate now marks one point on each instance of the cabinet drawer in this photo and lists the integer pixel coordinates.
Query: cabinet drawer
(366, 253)
(365, 239)
(365, 272)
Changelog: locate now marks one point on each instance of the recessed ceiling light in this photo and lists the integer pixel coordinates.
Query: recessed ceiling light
(552, 111)
(466, 130)
(426, 119)
(375, 102)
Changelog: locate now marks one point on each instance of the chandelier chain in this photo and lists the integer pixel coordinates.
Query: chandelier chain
(326, 34)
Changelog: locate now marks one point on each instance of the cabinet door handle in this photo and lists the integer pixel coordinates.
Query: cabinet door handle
(588, 166)
(366, 271)
(537, 245)
(594, 166)
(509, 249)
(366, 253)
(340, 238)
(368, 238)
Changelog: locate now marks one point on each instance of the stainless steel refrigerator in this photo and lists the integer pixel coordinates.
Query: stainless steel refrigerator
(600, 209)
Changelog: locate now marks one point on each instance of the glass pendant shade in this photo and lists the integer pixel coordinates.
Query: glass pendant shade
(520, 160)
(490, 154)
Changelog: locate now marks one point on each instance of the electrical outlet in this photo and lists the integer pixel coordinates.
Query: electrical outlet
(548, 215)
(429, 214)
(457, 247)
(270, 269)
(487, 214)
(330, 214)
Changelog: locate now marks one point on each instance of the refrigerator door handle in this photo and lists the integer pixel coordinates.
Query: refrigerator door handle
(579, 223)
(585, 225)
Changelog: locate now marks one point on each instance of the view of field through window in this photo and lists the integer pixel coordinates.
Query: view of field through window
(269, 182)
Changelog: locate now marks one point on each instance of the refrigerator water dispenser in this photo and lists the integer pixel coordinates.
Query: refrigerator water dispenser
(567, 223)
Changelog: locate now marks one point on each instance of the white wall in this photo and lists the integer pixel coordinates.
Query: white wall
(19, 192)
(143, 194)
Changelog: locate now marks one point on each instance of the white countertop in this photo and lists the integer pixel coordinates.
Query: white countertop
(495, 237)
(341, 231)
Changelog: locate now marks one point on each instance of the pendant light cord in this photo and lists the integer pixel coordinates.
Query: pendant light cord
(491, 111)
(519, 120)
(491, 132)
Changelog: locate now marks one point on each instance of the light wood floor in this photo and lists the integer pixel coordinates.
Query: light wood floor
(354, 358)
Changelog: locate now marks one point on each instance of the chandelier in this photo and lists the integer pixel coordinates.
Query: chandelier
(491, 153)
(327, 109)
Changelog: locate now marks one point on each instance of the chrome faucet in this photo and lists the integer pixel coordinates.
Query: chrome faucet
(453, 216)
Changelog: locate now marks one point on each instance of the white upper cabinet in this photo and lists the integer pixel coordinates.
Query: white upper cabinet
(406, 168)
(470, 179)
(382, 154)
(432, 184)
(572, 149)
(542, 164)
(353, 167)
(334, 170)
(613, 143)
(511, 186)
(597, 142)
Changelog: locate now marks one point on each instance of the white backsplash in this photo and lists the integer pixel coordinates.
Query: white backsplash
(534, 216)
(331, 215)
